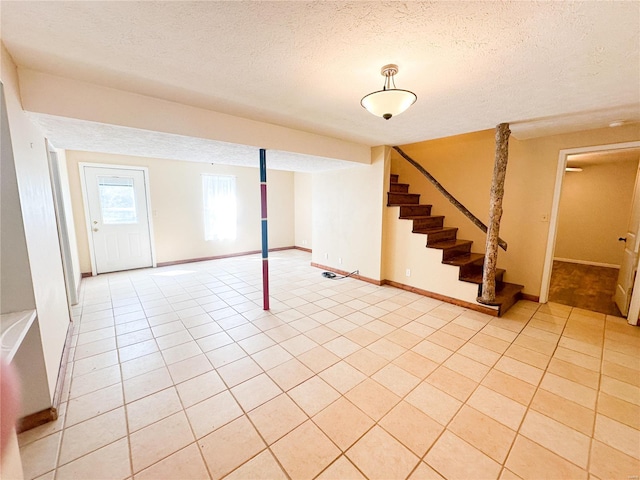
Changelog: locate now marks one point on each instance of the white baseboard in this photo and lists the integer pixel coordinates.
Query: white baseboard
(586, 262)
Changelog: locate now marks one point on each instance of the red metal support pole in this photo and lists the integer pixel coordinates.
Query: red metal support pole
(265, 243)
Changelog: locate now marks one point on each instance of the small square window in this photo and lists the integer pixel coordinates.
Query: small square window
(117, 200)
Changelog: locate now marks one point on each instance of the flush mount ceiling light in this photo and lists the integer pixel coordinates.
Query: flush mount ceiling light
(389, 101)
(573, 169)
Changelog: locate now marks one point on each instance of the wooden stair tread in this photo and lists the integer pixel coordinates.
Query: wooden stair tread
(508, 290)
(462, 260)
(420, 217)
(402, 198)
(403, 205)
(446, 244)
(428, 230)
(476, 277)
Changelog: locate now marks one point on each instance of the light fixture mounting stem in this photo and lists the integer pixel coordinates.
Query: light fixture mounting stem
(389, 70)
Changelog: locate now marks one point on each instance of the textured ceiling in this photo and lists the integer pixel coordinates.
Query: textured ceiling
(544, 67)
(74, 134)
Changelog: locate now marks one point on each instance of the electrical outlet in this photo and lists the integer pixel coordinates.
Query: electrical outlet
(326, 256)
(408, 272)
(339, 260)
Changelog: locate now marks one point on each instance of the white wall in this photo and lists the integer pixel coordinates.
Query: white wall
(347, 217)
(16, 290)
(66, 201)
(36, 199)
(303, 191)
(176, 203)
(594, 212)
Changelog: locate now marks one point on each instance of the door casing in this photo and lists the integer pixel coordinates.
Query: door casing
(85, 201)
(553, 222)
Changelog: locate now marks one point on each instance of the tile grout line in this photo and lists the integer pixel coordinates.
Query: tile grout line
(592, 438)
(423, 458)
(341, 359)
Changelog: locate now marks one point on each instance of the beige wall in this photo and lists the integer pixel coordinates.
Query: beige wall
(39, 222)
(64, 97)
(176, 203)
(303, 190)
(463, 164)
(347, 216)
(595, 207)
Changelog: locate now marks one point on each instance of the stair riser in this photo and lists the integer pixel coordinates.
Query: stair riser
(410, 210)
(456, 251)
(499, 280)
(507, 305)
(399, 188)
(499, 284)
(433, 222)
(441, 236)
(394, 178)
(403, 198)
(470, 270)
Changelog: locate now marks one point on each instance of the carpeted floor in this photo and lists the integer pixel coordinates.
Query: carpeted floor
(584, 286)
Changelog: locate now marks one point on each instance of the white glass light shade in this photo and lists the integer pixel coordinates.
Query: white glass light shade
(387, 103)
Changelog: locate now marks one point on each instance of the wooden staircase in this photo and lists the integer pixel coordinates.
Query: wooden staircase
(455, 251)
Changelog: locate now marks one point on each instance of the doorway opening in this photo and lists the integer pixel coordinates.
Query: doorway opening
(591, 212)
(117, 207)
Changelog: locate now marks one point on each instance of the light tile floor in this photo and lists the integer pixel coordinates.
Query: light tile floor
(178, 373)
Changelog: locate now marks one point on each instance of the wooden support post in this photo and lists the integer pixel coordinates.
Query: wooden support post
(488, 296)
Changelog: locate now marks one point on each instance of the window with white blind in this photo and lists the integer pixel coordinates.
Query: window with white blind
(219, 201)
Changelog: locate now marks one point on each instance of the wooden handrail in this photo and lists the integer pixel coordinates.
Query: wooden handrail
(465, 211)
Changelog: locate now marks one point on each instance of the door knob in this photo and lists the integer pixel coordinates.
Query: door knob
(622, 239)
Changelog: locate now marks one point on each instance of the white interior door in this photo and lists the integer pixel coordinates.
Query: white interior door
(118, 215)
(629, 266)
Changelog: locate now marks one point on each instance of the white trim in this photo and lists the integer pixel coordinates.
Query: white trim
(87, 221)
(634, 306)
(553, 221)
(85, 202)
(152, 243)
(61, 226)
(586, 262)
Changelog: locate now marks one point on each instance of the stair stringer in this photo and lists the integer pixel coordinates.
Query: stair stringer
(405, 249)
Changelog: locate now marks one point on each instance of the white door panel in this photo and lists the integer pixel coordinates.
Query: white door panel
(629, 266)
(118, 216)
